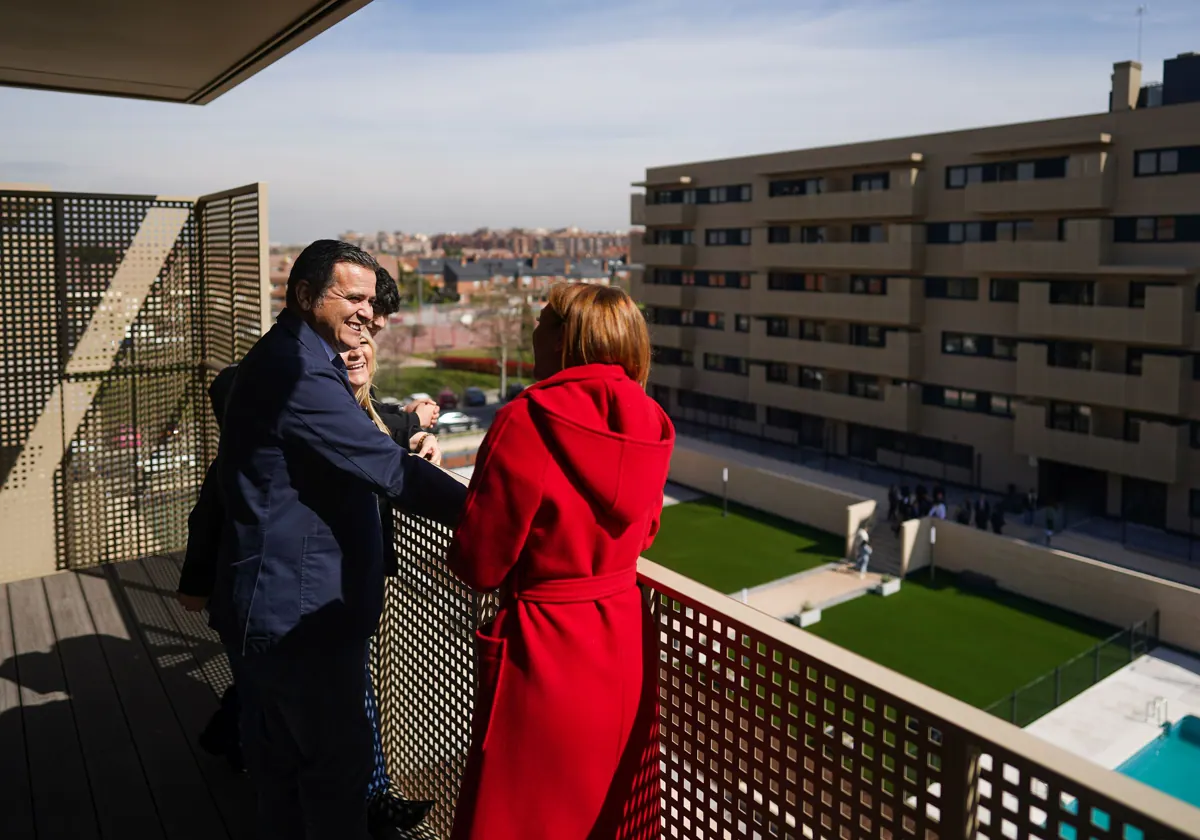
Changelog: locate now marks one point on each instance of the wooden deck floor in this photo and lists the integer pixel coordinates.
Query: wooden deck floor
(104, 684)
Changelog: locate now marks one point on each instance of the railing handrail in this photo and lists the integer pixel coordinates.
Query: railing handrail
(1000, 735)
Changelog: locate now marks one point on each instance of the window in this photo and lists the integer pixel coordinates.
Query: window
(1177, 161)
(952, 288)
(865, 335)
(723, 195)
(687, 318)
(860, 285)
(1194, 434)
(1156, 229)
(957, 177)
(661, 394)
(1194, 503)
(812, 331)
(777, 327)
(1133, 361)
(958, 398)
(865, 386)
(811, 234)
(1072, 292)
(717, 405)
(741, 323)
(779, 234)
(780, 282)
(1070, 354)
(1020, 230)
(713, 279)
(1068, 417)
(777, 372)
(811, 429)
(812, 378)
(727, 236)
(726, 364)
(867, 233)
(1004, 290)
(870, 182)
(1001, 405)
(796, 186)
(963, 344)
(672, 356)
(672, 237)
(673, 197)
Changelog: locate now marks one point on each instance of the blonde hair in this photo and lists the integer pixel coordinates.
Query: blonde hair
(601, 324)
(363, 394)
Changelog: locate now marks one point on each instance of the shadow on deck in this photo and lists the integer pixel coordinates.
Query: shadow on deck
(105, 681)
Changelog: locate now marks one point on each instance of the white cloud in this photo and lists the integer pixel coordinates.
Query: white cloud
(552, 133)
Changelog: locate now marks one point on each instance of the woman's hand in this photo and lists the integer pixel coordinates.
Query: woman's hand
(426, 446)
(427, 411)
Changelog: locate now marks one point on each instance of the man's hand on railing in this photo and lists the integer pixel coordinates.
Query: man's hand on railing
(191, 603)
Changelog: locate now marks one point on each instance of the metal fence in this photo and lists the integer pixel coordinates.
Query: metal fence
(1049, 691)
(766, 731)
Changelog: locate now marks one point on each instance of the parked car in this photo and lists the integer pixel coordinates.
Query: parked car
(455, 421)
(514, 388)
(447, 399)
(419, 395)
(474, 397)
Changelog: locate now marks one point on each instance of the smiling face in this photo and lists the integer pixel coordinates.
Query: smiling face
(342, 314)
(359, 361)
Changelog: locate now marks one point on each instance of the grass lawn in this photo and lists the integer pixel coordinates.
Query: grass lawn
(745, 549)
(399, 382)
(978, 647)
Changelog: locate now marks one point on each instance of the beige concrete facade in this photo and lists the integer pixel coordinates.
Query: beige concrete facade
(871, 270)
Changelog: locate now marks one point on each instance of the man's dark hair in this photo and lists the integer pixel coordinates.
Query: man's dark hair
(315, 264)
(387, 293)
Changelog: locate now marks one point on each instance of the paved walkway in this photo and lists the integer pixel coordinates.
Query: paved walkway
(1108, 723)
(823, 588)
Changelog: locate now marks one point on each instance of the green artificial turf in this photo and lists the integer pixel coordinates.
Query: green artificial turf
(745, 549)
(978, 647)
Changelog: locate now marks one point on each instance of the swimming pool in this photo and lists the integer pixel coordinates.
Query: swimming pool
(1171, 762)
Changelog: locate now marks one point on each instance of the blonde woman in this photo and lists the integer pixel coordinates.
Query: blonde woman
(361, 366)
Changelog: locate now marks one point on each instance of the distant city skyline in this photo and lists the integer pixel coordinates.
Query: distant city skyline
(414, 115)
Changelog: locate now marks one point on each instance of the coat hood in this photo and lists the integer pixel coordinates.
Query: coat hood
(612, 440)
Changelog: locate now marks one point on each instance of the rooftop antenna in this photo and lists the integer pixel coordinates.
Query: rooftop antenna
(1141, 14)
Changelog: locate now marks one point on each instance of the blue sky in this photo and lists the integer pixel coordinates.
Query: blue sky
(422, 116)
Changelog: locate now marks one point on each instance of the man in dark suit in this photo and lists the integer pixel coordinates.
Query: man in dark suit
(299, 584)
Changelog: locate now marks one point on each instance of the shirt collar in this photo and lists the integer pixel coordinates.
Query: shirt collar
(328, 350)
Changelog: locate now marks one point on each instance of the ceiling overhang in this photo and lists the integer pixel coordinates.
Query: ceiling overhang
(172, 50)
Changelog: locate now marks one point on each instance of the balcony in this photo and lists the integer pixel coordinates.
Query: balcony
(669, 256)
(1047, 195)
(1166, 319)
(673, 376)
(670, 215)
(903, 252)
(899, 408)
(1162, 388)
(1157, 456)
(1085, 250)
(637, 209)
(900, 358)
(903, 304)
(903, 201)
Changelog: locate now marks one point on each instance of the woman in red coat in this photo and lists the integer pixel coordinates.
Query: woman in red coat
(567, 492)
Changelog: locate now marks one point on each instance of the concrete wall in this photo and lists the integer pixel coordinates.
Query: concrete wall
(1079, 584)
(820, 500)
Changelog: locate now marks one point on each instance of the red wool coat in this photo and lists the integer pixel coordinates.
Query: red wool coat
(567, 492)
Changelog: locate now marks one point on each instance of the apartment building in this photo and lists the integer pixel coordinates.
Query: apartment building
(1013, 305)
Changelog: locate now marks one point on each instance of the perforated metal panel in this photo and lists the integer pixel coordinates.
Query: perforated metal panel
(102, 445)
(760, 737)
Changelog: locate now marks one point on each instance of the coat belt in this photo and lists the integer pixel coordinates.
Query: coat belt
(576, 590)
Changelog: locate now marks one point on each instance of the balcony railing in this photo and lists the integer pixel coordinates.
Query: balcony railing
(1161, 388)
(1166, 319)
(1157, 455)
(1085, 248)
(902, 305)
(645, 253)
(900, 358)
(637, 209)
(897, 408)
(902, 201)
(1085, 192)
(904, 252)
(765, 730)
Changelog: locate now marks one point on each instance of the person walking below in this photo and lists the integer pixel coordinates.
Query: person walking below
(893, 503)
(566, 494)
(1031, 505)
(997, 518)
(983, 513)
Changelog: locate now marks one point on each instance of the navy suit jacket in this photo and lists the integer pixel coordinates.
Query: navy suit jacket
(301, 560)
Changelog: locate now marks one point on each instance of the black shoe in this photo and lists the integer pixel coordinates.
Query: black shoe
(387, 814)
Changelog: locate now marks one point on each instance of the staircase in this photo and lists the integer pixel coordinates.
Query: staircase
(886, 554)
